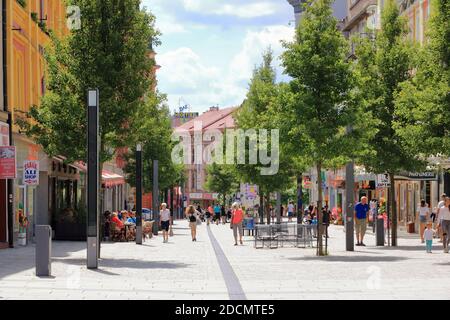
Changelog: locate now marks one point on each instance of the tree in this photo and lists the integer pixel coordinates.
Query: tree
(423, 103)
(154, 132)
(221, 178)
(108, 52)
(256, 113)
(382, 66)
(321, 84)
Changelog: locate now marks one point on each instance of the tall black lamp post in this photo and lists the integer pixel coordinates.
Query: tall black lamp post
(139, 194)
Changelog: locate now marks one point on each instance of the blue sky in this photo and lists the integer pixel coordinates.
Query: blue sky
(210, 47)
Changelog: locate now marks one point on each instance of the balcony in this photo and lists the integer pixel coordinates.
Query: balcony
(357, 12)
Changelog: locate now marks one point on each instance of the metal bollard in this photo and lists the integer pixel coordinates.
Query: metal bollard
(380, 232)
(43, 250)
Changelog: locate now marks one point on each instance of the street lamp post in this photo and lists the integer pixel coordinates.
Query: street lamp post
(139, 194)
(93, 179)
(155, 198)
(349, 206)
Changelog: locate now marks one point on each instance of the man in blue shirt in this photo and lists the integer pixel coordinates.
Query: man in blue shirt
(361, 210)
(217, 213)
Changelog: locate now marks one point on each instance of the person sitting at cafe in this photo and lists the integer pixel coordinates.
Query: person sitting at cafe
(124, 215)
(115, 219)
(132, 218)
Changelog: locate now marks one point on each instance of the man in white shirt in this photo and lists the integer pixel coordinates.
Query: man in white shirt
(444, 215)
(441, 204)
(290, 210)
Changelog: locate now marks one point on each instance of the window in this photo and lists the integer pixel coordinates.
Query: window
(42, 9)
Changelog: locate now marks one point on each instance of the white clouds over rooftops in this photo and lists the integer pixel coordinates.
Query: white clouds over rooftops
(241, 9)
(185, 74)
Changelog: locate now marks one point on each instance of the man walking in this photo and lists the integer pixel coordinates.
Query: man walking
(361, 209)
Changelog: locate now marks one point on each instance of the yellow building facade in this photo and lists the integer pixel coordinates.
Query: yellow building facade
(27, 25)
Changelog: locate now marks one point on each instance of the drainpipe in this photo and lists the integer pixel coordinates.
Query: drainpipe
(5, 107)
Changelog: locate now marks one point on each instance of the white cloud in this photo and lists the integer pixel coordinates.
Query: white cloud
(184, 70)
(185, 75)
(254, 45)
(241, 10)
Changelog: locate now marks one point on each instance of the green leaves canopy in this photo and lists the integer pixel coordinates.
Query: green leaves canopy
(110, 52)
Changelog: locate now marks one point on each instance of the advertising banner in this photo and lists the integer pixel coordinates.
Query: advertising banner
(7, 162)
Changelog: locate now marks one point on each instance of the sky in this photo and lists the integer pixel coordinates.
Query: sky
(210, 47)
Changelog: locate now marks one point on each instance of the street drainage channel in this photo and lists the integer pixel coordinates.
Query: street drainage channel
(234, 287)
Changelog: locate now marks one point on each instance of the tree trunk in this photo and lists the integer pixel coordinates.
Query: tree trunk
(393, 210)
(320, 251)
(261, 207)
(278, 207)
(267, 209)
(299, 198)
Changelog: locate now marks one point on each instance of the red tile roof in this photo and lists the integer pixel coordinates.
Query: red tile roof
(213, 119)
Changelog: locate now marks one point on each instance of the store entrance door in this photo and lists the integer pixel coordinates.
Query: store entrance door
(26, 208)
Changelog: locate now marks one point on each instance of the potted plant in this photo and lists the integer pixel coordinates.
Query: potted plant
(23, 225)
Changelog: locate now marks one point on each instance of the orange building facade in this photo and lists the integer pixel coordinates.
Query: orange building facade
(27, 25)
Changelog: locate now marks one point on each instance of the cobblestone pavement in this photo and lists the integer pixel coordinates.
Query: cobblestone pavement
(213, 268)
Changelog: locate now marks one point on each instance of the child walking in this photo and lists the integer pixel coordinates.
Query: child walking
(428, 237)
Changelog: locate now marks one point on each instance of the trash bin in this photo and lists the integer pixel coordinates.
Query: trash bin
(380, 232)
(410, 227)
(43, 250)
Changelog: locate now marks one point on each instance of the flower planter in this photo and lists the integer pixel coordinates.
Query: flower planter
(22, 239)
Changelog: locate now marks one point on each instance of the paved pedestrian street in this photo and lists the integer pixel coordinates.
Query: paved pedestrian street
(213, 268)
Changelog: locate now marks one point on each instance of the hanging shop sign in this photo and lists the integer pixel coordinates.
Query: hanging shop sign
(383, 181)
(7, 162)
(31, 172)
(307, 182)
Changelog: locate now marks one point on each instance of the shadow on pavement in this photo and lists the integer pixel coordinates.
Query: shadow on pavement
(125, 263)
(408, 248)
(351, 259)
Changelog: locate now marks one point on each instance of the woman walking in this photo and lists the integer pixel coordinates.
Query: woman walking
(192, 216)
(164, 218)
(423, 215)
(237, 216)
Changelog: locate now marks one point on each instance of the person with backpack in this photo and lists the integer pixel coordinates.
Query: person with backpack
(192, 215)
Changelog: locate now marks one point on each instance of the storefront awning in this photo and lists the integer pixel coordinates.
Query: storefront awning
(109, 179)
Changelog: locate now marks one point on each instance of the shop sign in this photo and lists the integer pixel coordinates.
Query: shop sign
(31, 172)
(420, 175)
(307, 182)
(195, 195)
(4, 134)
(383, 181)
(7, 162)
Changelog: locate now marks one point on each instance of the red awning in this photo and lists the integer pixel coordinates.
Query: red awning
(109, 179)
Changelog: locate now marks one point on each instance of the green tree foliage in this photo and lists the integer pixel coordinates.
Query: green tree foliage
(221, 178)
(383, 65)
(153, 132)
(109, 52)
(321, 107)
(257, 113)
(423, 104)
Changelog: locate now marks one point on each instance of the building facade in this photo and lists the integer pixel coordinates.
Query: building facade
(339, 9)
(213, 119)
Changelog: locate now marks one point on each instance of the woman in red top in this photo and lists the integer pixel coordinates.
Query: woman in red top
(117, 221)
(237, 217)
